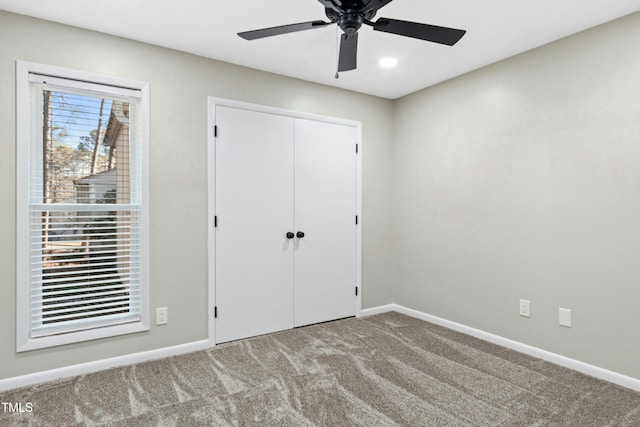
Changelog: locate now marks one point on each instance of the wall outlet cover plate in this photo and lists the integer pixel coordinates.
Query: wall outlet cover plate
(564, 317)
(525, 308)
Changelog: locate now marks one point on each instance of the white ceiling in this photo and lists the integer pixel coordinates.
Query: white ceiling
(496, 29)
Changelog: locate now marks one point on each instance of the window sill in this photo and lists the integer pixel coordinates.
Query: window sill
(81, 336)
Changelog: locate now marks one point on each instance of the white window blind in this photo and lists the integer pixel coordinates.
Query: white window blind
(85, 172)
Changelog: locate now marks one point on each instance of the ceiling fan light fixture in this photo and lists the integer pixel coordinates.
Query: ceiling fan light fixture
(388, 62)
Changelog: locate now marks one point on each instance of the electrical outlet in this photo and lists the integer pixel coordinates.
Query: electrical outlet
(564, 317)
(162, 316)
(525, 308)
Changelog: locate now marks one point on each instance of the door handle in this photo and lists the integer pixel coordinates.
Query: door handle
(299, 234)
(290, 235)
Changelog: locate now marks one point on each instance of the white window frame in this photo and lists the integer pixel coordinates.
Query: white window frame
(24, 342)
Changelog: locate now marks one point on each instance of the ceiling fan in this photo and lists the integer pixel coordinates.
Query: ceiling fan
(350, 15)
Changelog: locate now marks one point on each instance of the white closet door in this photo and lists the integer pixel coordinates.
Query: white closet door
(254, 206)
(325, 197)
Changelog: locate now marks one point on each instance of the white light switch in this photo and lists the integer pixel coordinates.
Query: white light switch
(564, 317)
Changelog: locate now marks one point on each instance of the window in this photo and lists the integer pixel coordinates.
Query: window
(82, 154)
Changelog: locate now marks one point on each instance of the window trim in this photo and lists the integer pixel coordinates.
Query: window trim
(23, 340)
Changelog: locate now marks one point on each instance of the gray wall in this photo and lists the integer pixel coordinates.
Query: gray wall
(180, 84)
(519, 180)
(522, 180)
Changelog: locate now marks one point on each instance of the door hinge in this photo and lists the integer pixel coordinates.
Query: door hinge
(356, 219)
(215, 221)
(356, 291)
(215, 312)
(215, 131)
(356, 148)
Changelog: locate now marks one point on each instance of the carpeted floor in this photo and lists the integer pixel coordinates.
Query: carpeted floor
(382, 370)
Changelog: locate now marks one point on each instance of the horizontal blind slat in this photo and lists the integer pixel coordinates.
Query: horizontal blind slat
(81, 207)
(67, 296)
(53, 257)
(86, 283)
(37, 271)
(53, 313)
(81, 231)
(98, 304)
(80, 269)
(69, 316)
(81, 281)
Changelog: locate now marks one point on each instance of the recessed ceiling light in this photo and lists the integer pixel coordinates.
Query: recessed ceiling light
(388, 62)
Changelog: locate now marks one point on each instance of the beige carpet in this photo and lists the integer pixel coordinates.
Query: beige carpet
(382, 370)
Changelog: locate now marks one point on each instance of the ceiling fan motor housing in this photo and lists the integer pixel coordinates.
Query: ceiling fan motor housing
(350, 21)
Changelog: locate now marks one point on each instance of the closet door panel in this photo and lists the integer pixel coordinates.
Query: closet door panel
(254, 206)
(325, 211)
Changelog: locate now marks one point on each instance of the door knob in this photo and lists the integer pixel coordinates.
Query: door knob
(299, 234)
(290, 235)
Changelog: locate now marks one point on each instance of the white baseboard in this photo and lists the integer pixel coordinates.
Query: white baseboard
(100, 365)
(585, 368)
(377, 310)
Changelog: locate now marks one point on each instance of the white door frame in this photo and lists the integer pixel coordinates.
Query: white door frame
(211, 195)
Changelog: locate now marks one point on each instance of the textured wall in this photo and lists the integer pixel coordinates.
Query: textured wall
(180, 84)
(522, 180)
(519, 180)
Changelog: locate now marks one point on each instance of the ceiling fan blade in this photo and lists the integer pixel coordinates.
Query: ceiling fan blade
(332, 4)
(348, 52)
(283, 29)
(432, 33)
(375, 5)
